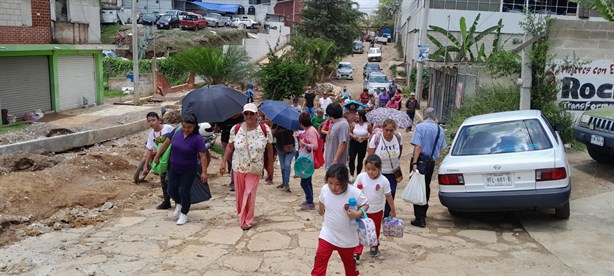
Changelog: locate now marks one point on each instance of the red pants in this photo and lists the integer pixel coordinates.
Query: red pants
(325, 249)
(246, 185)
(377, 219)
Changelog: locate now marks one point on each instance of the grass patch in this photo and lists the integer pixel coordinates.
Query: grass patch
(15, 127)
(218, 149)
(113, 94)
(107, 32)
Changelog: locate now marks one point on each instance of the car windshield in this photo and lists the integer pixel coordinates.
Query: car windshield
(165, 18)
(191, 17)
(110, 54)
(374, 51)
(502, 137)
(373, 66)
(357, 44)
(345, 66)
(212, 15)
(378, 79)
(149, 16)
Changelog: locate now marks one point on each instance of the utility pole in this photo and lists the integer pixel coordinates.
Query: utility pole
(422, 39)
(525, 76)
(135, 54)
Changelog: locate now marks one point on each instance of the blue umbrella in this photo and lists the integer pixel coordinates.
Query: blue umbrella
(281, 113)
(357, 103)
(213, 103)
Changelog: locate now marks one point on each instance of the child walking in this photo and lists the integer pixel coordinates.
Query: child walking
(339, 231)
(376, 188)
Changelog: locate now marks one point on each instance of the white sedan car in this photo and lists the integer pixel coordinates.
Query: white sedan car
(504, 162)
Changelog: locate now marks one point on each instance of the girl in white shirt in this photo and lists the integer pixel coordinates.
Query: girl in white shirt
(377, 190)
(339, 232)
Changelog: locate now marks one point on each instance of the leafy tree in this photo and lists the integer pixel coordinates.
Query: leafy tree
(604, 7)
(463, 47)
(385, 14)
(334, 20)
(283, 78)
(213, 65)
(317, 53)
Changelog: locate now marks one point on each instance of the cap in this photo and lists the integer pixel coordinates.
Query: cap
(250, 107)
(412, 94)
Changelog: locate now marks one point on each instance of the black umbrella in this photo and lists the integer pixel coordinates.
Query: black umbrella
(213, 103)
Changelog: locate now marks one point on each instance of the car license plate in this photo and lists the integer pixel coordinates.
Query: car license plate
(498, 180)
(597, 140)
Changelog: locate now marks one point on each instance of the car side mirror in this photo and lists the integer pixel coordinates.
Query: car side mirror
(452, 135)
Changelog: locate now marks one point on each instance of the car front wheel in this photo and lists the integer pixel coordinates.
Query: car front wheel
(563, 211)
(599, 155)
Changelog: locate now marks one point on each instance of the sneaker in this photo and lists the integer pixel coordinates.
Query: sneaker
(280, 186)
(232, 187)
(308, 206)
(287, 189)
(419, 223)
(302, 204)
(183, 218)
(374, 252)
(177, 210)
(357, 259)
(269, 182)
(296, 176)
(164, 205)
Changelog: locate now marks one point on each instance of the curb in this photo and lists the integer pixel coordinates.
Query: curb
(75, 140)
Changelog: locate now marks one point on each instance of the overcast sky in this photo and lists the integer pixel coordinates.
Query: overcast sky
(367, 6)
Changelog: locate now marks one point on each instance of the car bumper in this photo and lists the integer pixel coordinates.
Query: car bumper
(505, 200)
(583, 135)
(374, 58)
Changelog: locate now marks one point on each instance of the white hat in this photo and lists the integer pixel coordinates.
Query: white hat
(250, 107)
(412, 94)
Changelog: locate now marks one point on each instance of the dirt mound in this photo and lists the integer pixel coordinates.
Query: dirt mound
(96, 163)
(172, 117)
(26, 162)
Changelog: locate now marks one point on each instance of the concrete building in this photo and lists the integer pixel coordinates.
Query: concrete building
(291, 10)
(255, 9)
(46, 60)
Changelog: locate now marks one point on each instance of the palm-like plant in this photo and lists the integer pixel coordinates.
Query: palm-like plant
(215, 66)
(317, 53)
(605, 8)
(463, 47)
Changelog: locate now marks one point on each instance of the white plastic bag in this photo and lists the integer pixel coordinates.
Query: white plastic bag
(415, 191)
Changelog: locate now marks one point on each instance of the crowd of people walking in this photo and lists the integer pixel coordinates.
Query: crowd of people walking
(361, 156)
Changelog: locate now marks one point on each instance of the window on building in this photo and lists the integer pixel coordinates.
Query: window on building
(469, 5)
(241, 10)
(251, 10)
(553, 7)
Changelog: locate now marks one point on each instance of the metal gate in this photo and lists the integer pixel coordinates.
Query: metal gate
(442, 91)
(77, 80)
(24, 84)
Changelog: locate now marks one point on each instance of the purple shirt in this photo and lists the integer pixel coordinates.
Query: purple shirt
(184, 152)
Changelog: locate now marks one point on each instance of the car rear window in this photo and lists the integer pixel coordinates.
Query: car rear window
(503, 137)
(378, 79)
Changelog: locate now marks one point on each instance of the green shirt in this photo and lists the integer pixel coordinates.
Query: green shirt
(316, 121)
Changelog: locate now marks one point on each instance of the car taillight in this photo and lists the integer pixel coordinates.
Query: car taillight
(451, 179)
(550, 174)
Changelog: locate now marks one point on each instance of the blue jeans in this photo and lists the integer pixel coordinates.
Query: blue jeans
(310, 110)
(393, 190)
(179, 186)
(308, 189)
(285, 162)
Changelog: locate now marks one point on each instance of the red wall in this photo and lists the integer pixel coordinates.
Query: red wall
(285, 8)
(38, 33)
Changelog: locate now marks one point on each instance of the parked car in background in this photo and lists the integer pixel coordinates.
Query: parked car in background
(388, 37)
(506, 161)
(111, 54)
(596, 131)
(345, 71)
(149, 18)
(381, 39)
(374, 54)
(225, 21)
(369, 68)
(358, 47)
(193, 21)
(247, 22)
(214, 19)
(178, 13)
(167, 21)
(375, 80)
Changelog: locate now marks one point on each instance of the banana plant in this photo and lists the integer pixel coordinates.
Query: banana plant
(605, 8)
(462, 48)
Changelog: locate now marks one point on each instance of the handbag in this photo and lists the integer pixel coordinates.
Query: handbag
(398, 173)
(162, 167)
(200, 191)
(393, 227)
(318, 157)
(367, 234)
(426, 162)
(415, 190)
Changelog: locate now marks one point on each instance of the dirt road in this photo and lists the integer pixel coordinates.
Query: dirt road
(134, 238)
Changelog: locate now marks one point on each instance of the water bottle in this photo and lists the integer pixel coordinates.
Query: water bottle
(354, 207)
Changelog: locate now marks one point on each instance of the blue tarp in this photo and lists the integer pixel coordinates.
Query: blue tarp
(218, 7)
